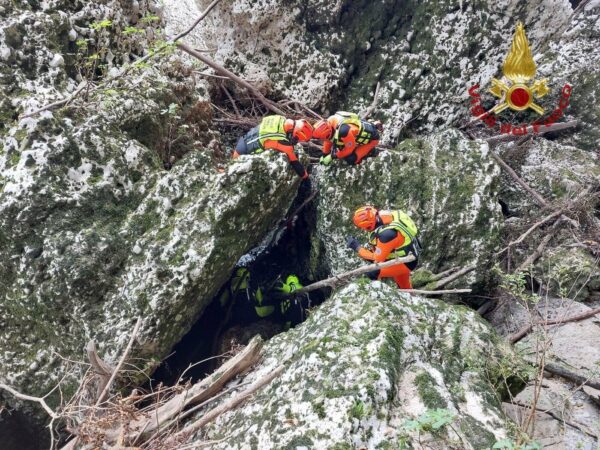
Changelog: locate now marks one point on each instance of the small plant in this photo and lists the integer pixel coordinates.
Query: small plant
(430, 421)
(507, 444)
(357, 410)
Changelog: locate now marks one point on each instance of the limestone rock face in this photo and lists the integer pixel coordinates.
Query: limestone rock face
(559, 172)
(94, 232)
(363, 364)
(572, 58)
(425, 55)
(446, 183)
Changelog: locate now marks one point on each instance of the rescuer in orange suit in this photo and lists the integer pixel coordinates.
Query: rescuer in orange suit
(392, 234)
(279, 134)
(346, 136)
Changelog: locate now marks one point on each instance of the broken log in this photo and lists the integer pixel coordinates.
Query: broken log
(202, 390)
(555, 369)
(227, 406)
(516, 337)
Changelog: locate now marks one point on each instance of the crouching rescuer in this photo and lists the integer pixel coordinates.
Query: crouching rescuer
(246, 302)
(279, 134)
(392, 234)
(346, 136)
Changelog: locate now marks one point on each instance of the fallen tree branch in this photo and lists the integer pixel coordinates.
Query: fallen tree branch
(572, 376)
(516, 337)
(346, 276)
(538, 198)
(531, 229)
(203, 390)
(447, 291)
(531, 131)
(30, 398)
(539, 250)
(373, 104)
(445, 273)
(227, 406)
(117, 369)
(449, 279)
(196, 22)
(223, 71)
(557, 417)
(555, 214)
(102, 370)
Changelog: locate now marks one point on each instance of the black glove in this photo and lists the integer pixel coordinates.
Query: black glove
(352, 243)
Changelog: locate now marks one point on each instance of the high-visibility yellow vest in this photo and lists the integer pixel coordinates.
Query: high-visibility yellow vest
(270, 128)
(343, 117)
(403, 224)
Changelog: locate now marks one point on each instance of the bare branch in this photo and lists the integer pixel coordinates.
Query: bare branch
(197, 21)
(440, 292)
(111, 380)
(449, 279)
(516, 337)
(30, 398)
(531, 131)
(373, 104)
(203, 390)
(347, 276)
(223, 71)
(229, 405)
(538, 198)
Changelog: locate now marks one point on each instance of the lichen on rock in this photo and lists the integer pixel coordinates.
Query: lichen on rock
(446, 183)
(364, 363)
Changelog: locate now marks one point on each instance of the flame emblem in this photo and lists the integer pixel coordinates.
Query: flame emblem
(519, 68)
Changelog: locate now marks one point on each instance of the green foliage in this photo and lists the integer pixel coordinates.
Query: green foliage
(82, 44)
(358, 410)
(100, 25)
(507, 444)
(430, 420)
(516, 284)
(150, 19)
(133, 30)
(171, 111)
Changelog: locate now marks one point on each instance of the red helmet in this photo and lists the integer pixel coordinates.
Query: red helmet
(365, 217)
(303, 130)
(322, 130)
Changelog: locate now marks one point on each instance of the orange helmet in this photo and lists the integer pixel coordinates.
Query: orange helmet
(303, 130)
(365, 217)
(322, 130)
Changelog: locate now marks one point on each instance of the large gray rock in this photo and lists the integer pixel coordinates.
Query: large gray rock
(572, 57)
(366, 362)
(425, 55)
(559, 172)
(93, 231)
(447, 183)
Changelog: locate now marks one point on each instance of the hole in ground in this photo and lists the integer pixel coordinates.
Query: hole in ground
(285, 252)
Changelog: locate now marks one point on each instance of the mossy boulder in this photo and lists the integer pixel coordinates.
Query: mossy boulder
(94, 232)
(447, 183)
(572, 57)
(365, 363)
(557, 171)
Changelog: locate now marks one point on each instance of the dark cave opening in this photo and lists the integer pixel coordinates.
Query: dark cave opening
(285, 251)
